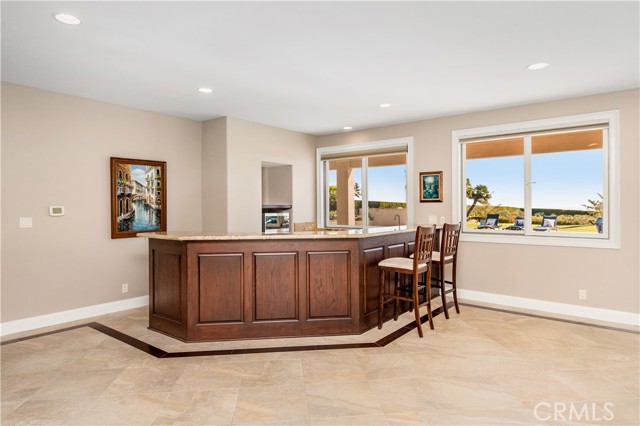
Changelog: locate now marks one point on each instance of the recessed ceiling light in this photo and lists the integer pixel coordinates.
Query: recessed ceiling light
(347, 128)
(205, 90)
(385, 105)
(65, 18)
(537, 66)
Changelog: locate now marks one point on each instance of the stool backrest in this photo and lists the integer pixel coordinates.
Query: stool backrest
(423, 249)
(449, 239)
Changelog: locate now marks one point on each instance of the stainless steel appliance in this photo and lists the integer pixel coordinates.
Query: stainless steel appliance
(276, 219)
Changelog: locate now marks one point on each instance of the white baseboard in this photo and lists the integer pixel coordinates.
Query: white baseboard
(56, 318)
(609, 315)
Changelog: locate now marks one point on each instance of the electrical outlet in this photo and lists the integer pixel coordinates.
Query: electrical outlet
(125, 288)
(582, 294)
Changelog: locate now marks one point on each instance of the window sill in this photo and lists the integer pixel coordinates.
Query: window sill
(547, 239)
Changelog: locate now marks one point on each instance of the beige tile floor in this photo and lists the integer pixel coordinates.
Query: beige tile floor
(481, 367)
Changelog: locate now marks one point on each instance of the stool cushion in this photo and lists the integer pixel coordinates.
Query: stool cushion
(436, 257)
(399, 263)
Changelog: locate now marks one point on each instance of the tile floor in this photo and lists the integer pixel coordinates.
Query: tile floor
(480, 367)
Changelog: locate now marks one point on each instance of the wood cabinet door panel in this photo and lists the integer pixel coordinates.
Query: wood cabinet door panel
(220, 287)
(329, 284)
(275, 278)
(396, 250)
(371, 277)
(166, 285)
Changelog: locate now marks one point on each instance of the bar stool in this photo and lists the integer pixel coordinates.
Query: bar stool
(448, 254)
(421, 263)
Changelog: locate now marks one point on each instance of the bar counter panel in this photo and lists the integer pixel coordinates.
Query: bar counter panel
(219, 289)
(275, 287)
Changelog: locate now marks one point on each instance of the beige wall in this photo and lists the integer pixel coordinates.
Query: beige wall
(55, 151)
(277, 185)
(248, 145)
(387, 217)
(610, 276)
(214, 176)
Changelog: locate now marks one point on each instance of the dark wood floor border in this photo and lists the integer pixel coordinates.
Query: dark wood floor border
(378, 344)
(544, 317)
(391, 337)
(159, 353)
(131, 341)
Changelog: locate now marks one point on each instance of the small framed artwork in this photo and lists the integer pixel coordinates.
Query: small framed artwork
(430, 187)
(138, 197)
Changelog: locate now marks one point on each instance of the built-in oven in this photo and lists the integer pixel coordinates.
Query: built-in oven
(276, 219)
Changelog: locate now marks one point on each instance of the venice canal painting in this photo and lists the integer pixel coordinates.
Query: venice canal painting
(138, 197)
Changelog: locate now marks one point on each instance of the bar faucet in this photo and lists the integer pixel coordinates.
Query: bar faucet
(397, 216)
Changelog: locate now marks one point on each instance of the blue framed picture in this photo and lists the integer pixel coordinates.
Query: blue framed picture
(430, 187)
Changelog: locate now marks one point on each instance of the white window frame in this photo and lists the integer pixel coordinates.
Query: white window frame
(322, 196)
(611, 236)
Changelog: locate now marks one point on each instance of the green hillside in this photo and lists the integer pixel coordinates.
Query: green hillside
(509, 214)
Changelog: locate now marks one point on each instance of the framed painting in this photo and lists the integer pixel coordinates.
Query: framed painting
(138, 197)
(430, 187)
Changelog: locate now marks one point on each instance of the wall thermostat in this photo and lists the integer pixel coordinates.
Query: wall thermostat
(56, 210)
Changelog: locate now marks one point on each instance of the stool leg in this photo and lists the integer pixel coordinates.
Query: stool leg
(416, 305)
(427, 292)
(396, 293)
(411, 304)
(442, 288)
(381, 299)
(455, 289)
(418, 290)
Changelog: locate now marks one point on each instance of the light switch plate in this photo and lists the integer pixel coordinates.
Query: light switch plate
(26, 222)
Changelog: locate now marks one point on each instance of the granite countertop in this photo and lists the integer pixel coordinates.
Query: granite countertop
(305, 235)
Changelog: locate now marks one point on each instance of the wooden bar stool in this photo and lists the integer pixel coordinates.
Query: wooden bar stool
(448, 254)
(421, 263)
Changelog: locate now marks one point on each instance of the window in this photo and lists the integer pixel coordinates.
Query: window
(549, 182)
(364, 185)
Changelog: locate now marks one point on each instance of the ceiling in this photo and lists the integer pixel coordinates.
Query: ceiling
(316, 67)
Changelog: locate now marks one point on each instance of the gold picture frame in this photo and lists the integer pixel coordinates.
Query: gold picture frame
(431, 187)
(138, 197)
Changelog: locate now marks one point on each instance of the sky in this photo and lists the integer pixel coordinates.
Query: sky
(563, 180)
(138, 172)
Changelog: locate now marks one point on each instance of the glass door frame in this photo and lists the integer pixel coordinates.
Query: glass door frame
(404, 145)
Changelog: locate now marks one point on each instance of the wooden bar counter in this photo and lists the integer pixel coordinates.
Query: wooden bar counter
(220, 287)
